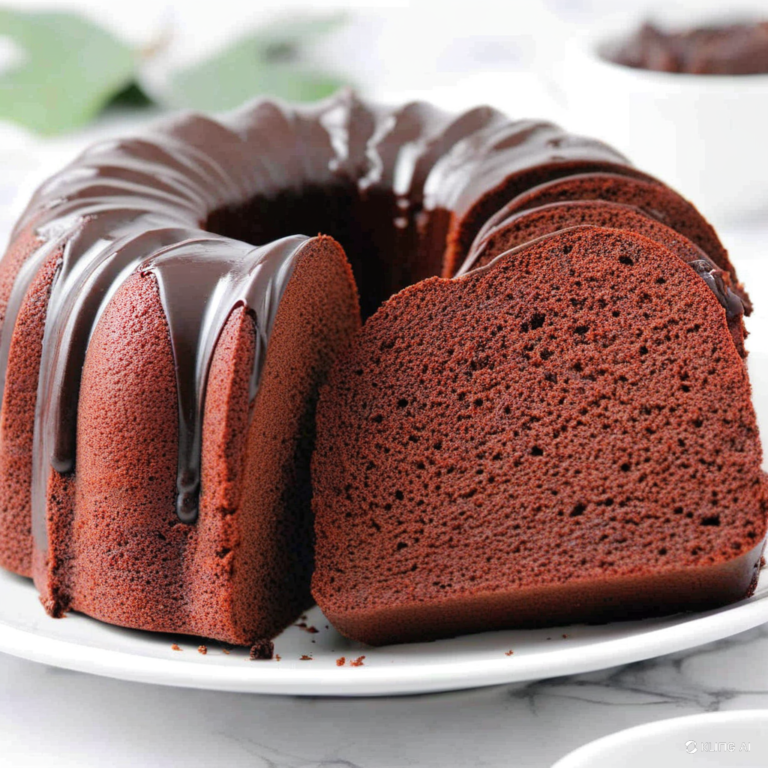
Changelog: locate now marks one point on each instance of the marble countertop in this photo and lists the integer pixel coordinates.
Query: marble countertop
(53, 717)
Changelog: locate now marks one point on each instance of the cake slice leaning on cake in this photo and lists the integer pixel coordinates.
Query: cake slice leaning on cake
(563, 435)
(530, 223)
(647, 195)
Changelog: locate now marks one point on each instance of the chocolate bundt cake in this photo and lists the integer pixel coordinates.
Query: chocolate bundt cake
(165, 332)
(563, 435)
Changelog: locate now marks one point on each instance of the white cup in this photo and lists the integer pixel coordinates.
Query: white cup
(704, 135)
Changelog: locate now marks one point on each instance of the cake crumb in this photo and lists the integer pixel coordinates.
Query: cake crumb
(225, 650)
(175, 647)
(312, 630)
(202, 649)
(341, 661)
(305, 658)
(509, 653)
(358, 662)
(277, 657)
(565, 637)
(262, 650)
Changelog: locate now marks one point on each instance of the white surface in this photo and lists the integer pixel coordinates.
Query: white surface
(85, 645)
(734, 739)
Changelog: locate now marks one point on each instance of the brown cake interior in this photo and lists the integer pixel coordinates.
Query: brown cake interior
(531, 223)
(650, 196)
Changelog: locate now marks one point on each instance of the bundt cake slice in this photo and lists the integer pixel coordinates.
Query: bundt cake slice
(531, 223)
(565, 435)
(649, 195)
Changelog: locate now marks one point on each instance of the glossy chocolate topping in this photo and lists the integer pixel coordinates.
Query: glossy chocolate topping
(164, 205)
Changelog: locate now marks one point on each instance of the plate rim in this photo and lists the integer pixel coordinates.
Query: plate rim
(585, 754)
(386, 680)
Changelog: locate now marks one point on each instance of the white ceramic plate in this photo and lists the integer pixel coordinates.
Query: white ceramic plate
(77, 642)
(735, 739)
(83, 644)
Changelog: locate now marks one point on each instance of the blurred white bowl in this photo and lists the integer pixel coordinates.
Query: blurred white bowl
(735, 739)
(704, 135)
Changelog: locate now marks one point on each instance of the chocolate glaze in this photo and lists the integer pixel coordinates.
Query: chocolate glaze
(145, 204)
(713, 277)
(201, 281)
(728, 49)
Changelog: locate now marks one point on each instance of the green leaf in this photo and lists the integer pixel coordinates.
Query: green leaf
(264, 62)
(70, 69)
(133, 96)
(293, 33)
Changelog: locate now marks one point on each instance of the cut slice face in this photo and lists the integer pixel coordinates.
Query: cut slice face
(565, 435)
(651, 197)
(531, 223)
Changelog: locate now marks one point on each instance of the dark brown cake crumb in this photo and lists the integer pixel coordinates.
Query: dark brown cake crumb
(530, 402)
(341, 661)
(305, 658)
(358, 662)
(202, 649)
(175, 647)
(262, 650)
(509, 653)
(278, 657)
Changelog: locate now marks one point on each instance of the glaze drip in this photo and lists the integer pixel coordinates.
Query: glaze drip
(714, 278)
(201, 281)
